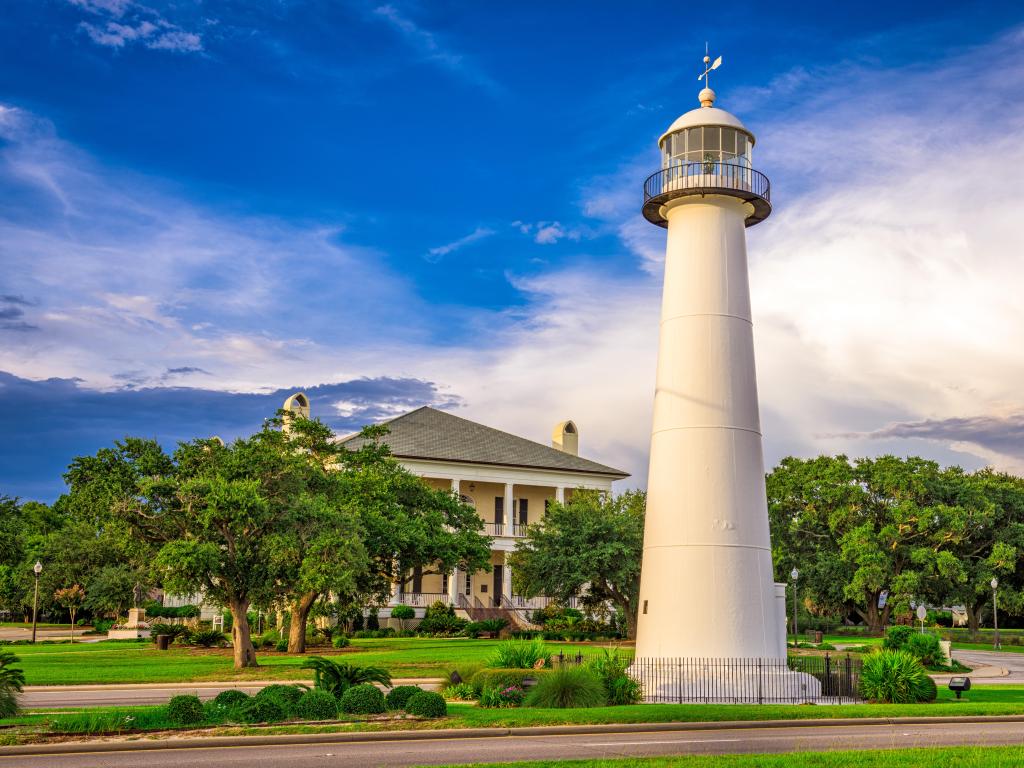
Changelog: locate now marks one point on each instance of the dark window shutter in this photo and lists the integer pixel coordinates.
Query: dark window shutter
(499, 510)
(524, 514)
(417, 579)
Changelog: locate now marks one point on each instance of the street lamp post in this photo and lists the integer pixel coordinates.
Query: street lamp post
(36, 569)
(995, 614)
(794, 575)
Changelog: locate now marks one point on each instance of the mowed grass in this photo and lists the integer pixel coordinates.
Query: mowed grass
(961, 757)
(108, 663)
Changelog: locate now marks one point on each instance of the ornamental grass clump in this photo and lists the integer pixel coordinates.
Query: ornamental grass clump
(185, 710)
(365, 699)
(520, 654)
(895, 677)
(568, 688)
(459, 692)
(610, 666)
(426, 704)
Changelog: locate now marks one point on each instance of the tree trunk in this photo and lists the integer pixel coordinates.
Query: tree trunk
(630, 614)
(241, 638)
(300, 613)
(875, 620)
(973, 621)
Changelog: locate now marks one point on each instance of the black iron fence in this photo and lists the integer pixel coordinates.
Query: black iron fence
(801, 679)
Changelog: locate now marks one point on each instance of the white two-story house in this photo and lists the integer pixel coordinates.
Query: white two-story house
(508, 479)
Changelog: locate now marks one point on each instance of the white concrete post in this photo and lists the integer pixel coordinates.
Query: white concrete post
(509, 508)
(453, 586)
(506, 582)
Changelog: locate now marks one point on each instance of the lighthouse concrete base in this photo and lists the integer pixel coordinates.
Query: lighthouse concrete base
(724, 681)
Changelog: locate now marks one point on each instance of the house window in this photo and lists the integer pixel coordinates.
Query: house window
(499, 510)
(417, 579)
(524, 514)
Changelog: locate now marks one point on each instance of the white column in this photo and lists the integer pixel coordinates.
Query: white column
(506, 582)
(560, 494)
(706, 532)
(395, 586)
(453, 586)
(509, 508)
(455, 486)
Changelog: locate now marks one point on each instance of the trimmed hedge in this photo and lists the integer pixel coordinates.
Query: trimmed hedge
(261, 710)
(365, 699)
(185, 710)
(503, 678)
(286, 696)
(427, 704)
(231, 698)
(340, 642)
(317, 705)
(398, 696)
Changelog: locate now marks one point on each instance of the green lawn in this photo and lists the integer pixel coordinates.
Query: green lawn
(988, 647)
(126, 662)
(961, 757)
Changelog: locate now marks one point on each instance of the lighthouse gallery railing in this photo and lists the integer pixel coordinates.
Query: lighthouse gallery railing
(707, 177)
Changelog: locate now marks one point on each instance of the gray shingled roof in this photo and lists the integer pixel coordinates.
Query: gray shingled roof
(428, 433)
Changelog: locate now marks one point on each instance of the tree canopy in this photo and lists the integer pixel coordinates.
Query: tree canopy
(589, 546)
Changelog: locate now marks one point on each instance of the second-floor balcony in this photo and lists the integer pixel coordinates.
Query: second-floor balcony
(501, 529)
(706, 178)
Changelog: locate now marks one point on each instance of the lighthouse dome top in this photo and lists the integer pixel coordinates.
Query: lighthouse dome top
(707, 114)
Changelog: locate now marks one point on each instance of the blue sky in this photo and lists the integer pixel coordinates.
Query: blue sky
(204, 205)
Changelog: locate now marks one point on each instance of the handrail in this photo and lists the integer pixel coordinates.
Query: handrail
(712, 173)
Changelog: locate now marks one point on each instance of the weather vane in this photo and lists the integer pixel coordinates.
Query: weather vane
(708, 66)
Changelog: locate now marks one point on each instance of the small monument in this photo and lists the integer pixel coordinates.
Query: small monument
(136, 627)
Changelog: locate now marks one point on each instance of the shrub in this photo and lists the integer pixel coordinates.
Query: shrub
(286, 696)
(610, 667)
(398, 696)
(282, 645)
(426, 704)
(335, 677)
(372, 622)
(926, 648)
(403, 613)
(317, 705)
(440, 619)
(568, 688)
(12, 681)
(896, 637)
(185, 710)
(503, 678)
(825, 647)
(261, 710)
(459, 691)
(895, 677)
(363, 699)
(208, 638)
(492, 626)
(519, 654)
(386, 632)
(340, 642)
(502, 698)
(228, 699)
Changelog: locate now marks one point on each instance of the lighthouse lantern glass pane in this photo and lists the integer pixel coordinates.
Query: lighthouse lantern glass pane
(693, 140)
(728, 143)
(712, 139)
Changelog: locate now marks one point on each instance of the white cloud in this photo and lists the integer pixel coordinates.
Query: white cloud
(125, 22)
(429, 45)
(435, 254)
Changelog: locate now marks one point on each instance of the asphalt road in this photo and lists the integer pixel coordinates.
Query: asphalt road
(1008, 660)
(387, 754)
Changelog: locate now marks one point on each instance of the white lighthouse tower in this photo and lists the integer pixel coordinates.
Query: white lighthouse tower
(707, 589)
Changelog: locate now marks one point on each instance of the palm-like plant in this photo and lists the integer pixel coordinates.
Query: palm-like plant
(336, 678)
(12, 680)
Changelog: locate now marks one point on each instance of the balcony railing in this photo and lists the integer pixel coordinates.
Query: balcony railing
(707, 178)
(500, 529)
(420, 599)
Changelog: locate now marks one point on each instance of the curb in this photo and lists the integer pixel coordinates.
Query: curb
(213, 742)
(196, 685)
